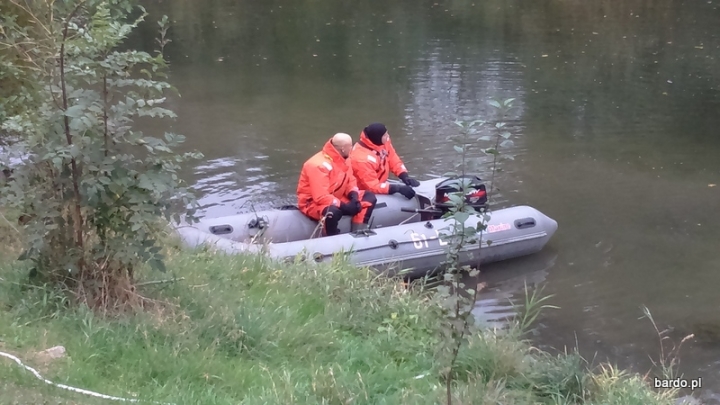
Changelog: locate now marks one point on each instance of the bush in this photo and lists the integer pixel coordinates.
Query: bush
(89, 205)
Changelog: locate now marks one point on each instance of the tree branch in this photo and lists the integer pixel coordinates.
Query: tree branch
(160, 281)
(77, 214)
(30, 13)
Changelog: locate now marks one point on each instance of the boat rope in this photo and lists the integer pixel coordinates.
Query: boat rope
(411, 217)
(320, 225)
(69, 388)
(263, 223)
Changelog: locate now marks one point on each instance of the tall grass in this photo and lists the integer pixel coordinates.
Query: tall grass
(245, 330)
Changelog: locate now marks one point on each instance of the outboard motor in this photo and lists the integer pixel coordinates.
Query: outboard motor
(476, 197)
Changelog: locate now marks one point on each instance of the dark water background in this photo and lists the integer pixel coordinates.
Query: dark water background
(616, 136)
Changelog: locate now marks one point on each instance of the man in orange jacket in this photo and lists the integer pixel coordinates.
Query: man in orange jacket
(373, 158)
(327, 188)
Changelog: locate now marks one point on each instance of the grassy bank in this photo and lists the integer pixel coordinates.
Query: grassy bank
(240, 330)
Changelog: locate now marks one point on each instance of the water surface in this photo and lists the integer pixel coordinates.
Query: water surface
(615, 136)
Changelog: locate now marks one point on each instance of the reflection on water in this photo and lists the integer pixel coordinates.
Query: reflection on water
(441, 93)
(444, 90)
(262, 147)
(12, 153)
(504, 291)
(232, 183)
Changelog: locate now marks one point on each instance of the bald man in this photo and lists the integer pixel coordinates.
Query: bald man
(327, 188)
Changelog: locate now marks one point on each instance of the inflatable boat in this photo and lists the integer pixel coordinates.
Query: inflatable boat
(403, 235)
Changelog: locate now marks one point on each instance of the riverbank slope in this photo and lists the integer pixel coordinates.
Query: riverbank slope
(242, 330)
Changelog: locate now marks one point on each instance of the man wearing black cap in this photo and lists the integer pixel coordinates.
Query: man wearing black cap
(373, 158)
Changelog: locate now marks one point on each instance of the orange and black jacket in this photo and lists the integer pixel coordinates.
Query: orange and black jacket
(372, 164)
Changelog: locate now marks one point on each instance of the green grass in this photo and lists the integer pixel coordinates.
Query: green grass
(241, 330)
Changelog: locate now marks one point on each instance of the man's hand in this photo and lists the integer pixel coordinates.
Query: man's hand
(408, 180)
(350, 208)
(407, 191)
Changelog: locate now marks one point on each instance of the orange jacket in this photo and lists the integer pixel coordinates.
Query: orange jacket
(372, 164)
(326, 179)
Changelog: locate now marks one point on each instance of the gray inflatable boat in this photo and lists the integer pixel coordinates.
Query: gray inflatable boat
(404, 235)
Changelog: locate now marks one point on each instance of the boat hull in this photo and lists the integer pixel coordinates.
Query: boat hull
(400, 242)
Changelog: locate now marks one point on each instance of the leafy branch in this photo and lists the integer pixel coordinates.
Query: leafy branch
(95, 189)
(468, 223)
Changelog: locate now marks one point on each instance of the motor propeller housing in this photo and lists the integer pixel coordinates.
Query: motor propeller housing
(475, 195)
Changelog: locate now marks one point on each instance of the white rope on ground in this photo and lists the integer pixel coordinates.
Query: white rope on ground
(67, 387)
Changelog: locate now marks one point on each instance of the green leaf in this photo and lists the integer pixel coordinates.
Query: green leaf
(458, 149)
(455, 199)
(485, 138)
(494, 104)
(505, 135)
(462, 216)
(157, 265)
(145, 182)
(443, 290)
(75, 150)
(507, 143)
(74, 111)
(24, 255)
(508, 101)
(474, 273)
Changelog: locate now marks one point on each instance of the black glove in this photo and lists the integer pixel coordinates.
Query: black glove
(407, 191)
(354, 196)
(350, 208)
(408, 180)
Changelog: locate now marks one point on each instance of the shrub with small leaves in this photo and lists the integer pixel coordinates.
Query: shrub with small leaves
(466, 227)
(94, 190)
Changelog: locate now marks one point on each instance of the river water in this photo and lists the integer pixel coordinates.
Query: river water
(615, 136)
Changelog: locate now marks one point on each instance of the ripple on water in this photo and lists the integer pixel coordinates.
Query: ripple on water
(444, 90)
(505, 287)
(231, 185)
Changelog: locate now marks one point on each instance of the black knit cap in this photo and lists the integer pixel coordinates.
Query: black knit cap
(375, 132)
